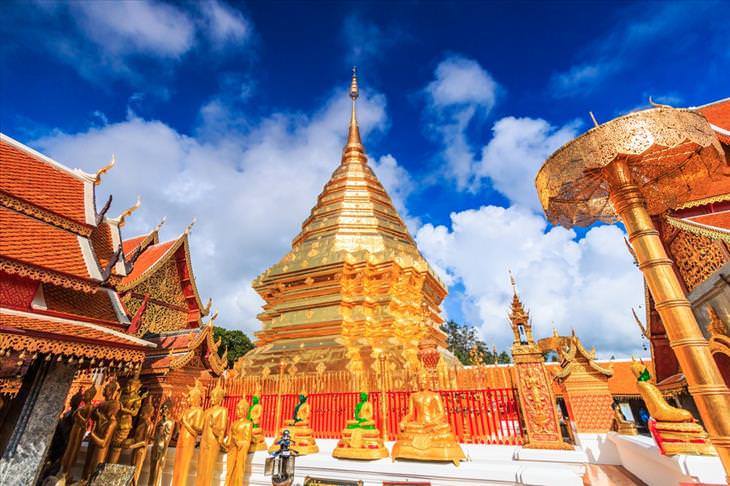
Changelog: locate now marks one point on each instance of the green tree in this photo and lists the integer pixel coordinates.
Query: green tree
(463, 341)
(235, 341)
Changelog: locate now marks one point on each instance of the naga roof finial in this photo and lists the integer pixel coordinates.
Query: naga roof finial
(127, 212)
(190, 226)
(104, 170)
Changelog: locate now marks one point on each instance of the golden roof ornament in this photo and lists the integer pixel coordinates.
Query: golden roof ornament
(104, 170)
(190, 226)
(128, 212)
(353, 136)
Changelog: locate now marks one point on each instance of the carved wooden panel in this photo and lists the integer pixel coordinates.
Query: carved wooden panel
(696, 257)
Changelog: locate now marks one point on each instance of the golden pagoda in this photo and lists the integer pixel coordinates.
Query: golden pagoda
(354, 285)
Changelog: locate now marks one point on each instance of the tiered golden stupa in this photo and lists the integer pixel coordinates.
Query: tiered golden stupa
(353, 285)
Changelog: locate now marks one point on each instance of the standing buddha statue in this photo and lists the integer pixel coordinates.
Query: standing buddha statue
(191, 424)
(160, 441)
(360, 437)
(130, 401)
(302, 438)
(425, 434)
(80, 423)
(258, 443)
(239, 440)
(215, 423)
(140, 439)
(104, 417)
(675, 429)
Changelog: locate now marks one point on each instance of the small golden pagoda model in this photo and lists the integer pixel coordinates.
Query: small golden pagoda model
(361, 438)
(302, 437)
(537, 401)
(425, 434)
(353, 278)
(675, 429)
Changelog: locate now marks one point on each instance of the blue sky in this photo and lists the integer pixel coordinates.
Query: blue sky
(235, 114)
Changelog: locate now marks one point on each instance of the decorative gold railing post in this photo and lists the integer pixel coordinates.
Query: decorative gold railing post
(282, 365)
(383, 395)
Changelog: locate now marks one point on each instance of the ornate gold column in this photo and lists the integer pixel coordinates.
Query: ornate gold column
(631, 168)
(692, 350)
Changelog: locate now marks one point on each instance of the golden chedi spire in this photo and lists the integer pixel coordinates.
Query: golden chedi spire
(354, 278)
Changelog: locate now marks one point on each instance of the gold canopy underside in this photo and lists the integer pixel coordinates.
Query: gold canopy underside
(672, 153)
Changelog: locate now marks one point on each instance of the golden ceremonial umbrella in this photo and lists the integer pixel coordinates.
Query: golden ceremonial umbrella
(629, 169)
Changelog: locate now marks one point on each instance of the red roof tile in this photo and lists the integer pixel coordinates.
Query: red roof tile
(131, 244)
(146, 260)
(718, 113)
(718, 220)
(28, 240)
(39, 182)
(101, 240)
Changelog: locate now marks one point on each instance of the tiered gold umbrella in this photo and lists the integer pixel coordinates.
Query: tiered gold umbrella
(629, 169)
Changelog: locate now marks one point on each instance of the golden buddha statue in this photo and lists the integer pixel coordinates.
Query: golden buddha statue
(81, 418)
(675, 429)
(140, 438)
(101, 435)
(302, 437)
(191, 424)
(258, 443)
(130, 401)
(215, 423)
(160, 441)
(425, 434)
(239, 440)
(360, 437)
(623, 426)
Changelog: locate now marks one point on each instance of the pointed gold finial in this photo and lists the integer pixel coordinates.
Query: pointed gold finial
(512, 281)
(353, 137)
(104, 170)
(127, 212)
(190, 226)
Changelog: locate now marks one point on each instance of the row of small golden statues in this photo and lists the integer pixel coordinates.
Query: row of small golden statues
(424, 432)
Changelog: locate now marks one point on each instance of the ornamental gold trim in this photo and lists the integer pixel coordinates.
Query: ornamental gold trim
(29, 209)
(705, 201)
(31, 344)
(700, 229)
(46, 276)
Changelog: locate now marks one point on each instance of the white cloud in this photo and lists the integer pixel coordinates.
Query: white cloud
(249, 190)
(140, 26)
(463, 90)
(516, 152)
(462, 81)
(589, 284)
(224, 24)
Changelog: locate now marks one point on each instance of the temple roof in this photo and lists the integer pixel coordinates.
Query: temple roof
(718, 114)
(178, 348)
(60, 260)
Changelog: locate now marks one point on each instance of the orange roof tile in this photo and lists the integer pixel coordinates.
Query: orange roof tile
(101, 240)
(147, 260)
(717, 113)
(65, 329)
(131, 244)
(95, 306)
(29, 177)
(719, 220)
(28, 240)
(622, 382)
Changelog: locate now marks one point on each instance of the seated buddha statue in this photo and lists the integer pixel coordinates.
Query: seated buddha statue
(675, 429)
(425, 434)
(254, 416)
(302, 438)
(360, 437)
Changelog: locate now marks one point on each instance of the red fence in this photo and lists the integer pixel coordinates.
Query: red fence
(486, 416)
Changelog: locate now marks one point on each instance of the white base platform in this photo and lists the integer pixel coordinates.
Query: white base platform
(485, 465)
(640, 455)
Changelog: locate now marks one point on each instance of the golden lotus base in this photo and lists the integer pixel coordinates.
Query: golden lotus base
(363, 444)
(258, 443)
(302, 440)
(425, 447)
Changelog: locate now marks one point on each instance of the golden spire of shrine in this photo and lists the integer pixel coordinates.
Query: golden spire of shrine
(354, 142)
